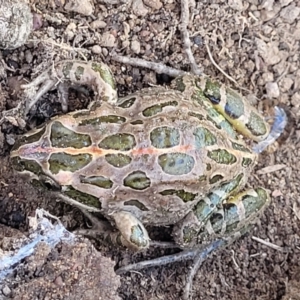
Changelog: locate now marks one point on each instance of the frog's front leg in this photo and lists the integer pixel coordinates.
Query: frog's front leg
(66, 74)
(131, 232)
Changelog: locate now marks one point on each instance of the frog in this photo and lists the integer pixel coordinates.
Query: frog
(163, 156)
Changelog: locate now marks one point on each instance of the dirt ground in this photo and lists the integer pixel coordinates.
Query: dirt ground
(255, 42)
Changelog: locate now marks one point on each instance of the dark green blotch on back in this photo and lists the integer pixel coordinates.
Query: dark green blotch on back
(136, 203)
(137, 122)
(176, 163)
(83, 198)
(62, 137)
(246, 162)
(127, 103)
(24, 140)
(215, 178)
(118, 160)
(184, 195)
(203, 137)
(157, 108)
(212, 91)
(240, 147)
(196, 115)
(67, 67)
(119, 141)
(164, 137)
(20, 165)
(105, 74)
(137, 180)
(78, 73)
(222, 156)
(234, 106)
(99, 181)
(67, 162)
(103, 119)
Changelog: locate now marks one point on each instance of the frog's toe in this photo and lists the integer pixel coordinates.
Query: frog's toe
(133, 233)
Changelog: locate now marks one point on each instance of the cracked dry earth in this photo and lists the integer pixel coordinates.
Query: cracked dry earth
(255, 42)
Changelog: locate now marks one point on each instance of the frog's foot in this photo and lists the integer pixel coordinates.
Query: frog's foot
(66, 74)
(132, 233)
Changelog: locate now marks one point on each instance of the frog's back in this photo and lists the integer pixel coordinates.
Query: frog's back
(155, 154)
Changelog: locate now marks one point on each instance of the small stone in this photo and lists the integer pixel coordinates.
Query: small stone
(6, 291)
(268, 5)
(269, 52)
(267, 77)
(136, 46)
(295, 100)
(272, 90)
(104, 51)
(98, 24)
(83, 7)
(37, 21)
(107, 40)
(236, 4)
(96, 49)
(286, 84)
(290, 13)
(28, 56)
(139, 8)
(155, 4)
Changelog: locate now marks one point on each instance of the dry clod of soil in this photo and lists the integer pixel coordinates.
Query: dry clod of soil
(75, 271)
(16, 23)
(84, 7)
(272, 90)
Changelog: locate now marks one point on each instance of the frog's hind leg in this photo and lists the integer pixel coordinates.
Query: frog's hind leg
(185, 231)
(236, 224)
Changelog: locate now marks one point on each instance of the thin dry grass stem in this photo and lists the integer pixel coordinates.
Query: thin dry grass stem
(157, 67)
(222, 71)
(185, 18)
(269, 244)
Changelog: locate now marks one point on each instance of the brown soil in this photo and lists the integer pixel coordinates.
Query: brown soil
(256, 44)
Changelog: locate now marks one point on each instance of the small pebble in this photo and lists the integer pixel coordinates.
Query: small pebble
(83, 7)
(272, 90)
(290, 13)
(37, 21)
(155, 4)
(107, 40)
(98, 24)
(28, 56)
(6, 291)
(96, 49)
(136, 46)
(104, 51)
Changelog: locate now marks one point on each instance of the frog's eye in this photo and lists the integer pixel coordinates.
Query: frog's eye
(49, 183)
